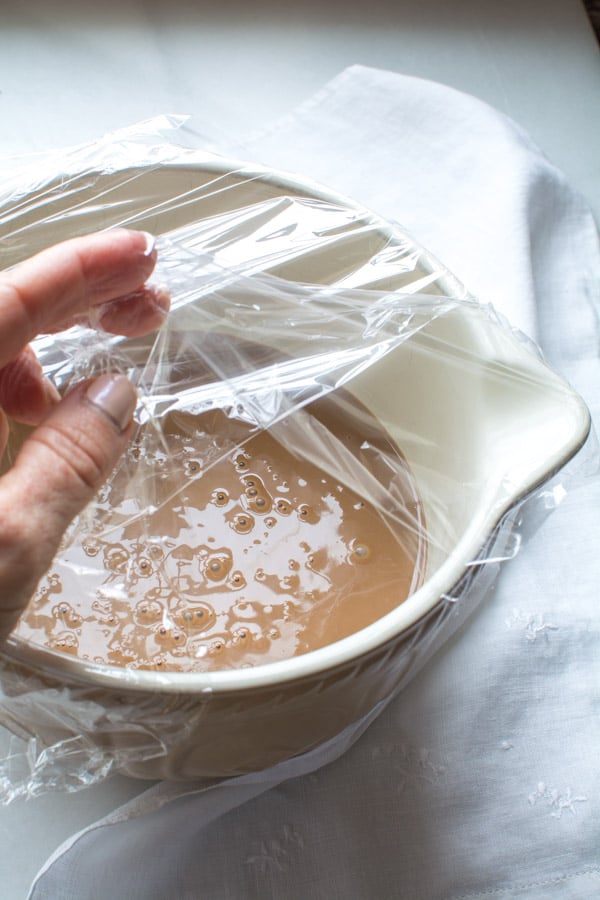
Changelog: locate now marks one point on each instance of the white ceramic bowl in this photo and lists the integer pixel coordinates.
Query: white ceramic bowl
(481, 421)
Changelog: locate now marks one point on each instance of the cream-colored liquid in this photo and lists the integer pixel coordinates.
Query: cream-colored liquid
(257, 558)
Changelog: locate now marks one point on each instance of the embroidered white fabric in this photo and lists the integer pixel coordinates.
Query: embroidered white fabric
(481, 778)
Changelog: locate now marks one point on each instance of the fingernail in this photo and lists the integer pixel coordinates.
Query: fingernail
(150, 243)
(115, 397)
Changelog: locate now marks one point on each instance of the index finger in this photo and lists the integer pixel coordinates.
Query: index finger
(65, 281)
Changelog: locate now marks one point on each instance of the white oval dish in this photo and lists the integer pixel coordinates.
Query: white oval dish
(485, 413)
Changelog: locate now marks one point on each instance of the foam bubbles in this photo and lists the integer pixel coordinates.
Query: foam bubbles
(243, 523)
(209, 565)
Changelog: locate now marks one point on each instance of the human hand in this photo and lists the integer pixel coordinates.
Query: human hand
(77, 440)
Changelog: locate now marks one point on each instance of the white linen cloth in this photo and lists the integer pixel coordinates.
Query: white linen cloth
(481, 779)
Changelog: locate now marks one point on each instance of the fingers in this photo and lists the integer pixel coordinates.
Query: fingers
(97, 279)
(135, 314)
(3, 432)
(94, 280)
(57, 472)
(24, 392)
(62, 284)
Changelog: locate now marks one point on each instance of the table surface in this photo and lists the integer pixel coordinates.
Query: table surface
(76, 70)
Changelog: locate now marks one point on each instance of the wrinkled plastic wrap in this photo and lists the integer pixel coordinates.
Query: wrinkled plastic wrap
(306, 323)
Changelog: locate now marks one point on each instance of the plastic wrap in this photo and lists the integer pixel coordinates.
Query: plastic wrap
(302, 322)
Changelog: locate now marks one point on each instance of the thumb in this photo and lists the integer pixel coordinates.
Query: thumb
(58, 470)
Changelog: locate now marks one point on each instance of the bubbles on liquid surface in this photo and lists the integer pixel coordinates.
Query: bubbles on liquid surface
(240, 636)
(155, 552)
(147, 612)
(251, 487)
(197, 585)
(91, 547)
(360, 552)
(237, 581)
(198, 617)
(64, 642)
(143, 567)
(116, 558)
(220, 497)
(308, 514)
(218, 567)
(64, 613)
(169, 637)
(243, 523)
(260, 505)
(192, 467)
(241, 462)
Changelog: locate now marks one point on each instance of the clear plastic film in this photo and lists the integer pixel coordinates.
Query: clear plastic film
(333, 444)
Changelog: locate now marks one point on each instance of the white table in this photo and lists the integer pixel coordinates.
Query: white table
(72, 71)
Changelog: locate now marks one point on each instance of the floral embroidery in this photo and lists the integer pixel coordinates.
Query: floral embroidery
(412, 766)
(533, 626)
(277, 852)
(557, 802)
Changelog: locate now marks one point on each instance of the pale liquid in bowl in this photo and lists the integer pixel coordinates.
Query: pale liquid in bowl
(188, 566)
